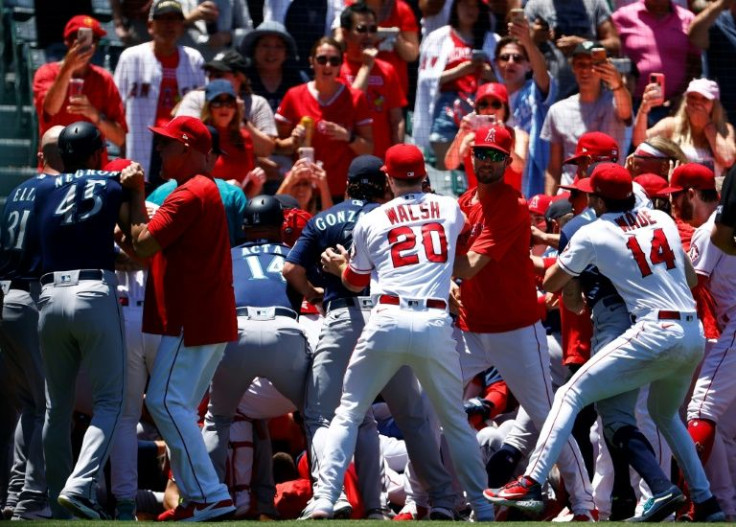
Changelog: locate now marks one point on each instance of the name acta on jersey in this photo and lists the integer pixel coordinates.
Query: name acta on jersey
(634, 220)
(404, 213)
(266, 248)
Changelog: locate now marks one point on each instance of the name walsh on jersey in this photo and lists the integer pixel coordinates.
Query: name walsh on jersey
(404, 213)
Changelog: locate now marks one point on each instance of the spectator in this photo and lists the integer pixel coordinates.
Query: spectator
(700, 126)
(449, 75)
(714, 31)
(373, 76)
(131, 20)
(272, 55)
(573, 23)
(213, 26)
(638, 25)
(238, 165)
(302, 181)
(436, 13)
(340, 117)
(152, 78)
(657, 155)
(98, 101)
(257, 117)
(530, 98)
(557, 63)
(597, 107)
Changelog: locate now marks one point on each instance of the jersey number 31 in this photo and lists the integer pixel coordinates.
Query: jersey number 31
(403, 240)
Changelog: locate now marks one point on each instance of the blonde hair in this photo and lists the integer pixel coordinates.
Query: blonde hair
(682, 134)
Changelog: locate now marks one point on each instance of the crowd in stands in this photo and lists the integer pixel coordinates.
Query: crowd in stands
(293, 92)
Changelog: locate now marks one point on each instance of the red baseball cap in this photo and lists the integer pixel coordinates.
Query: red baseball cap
(116, 165)
(690, 175)
(581, 184)
(611, 180)
(80, 21)
(597, 145)
(494, 90)
(404, 161)
(187, 130)
(494, 136)
(651, 183)
(539, 204)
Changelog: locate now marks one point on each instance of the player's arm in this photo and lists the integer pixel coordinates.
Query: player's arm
(336, 261)
(722, 237)
(572, 297)
(690, 274)
(556, 278)
(470, 264)
(144, 244)
(296, 277)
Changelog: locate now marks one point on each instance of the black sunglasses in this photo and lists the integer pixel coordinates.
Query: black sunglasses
(495, 104)
(322, 60)
(366, 29)
(219, 103)
(489, 154)
(518, 57)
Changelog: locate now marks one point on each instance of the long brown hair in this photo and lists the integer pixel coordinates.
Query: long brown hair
(233, 127)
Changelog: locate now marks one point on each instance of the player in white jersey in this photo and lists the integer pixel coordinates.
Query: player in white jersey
(640, 252)
(694, 201)
(405, 249)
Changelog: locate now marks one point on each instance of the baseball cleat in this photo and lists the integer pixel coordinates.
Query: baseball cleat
(82, 507)
(382, 514)
(441, 514)
(411, 512)
(709, 511)
(523, 493)
(43, 513)
(660, 506)
(342, 510)
(318, 509)
(195, 511)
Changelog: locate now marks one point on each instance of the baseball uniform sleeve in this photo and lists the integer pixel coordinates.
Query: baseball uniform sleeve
(578, 254)
(727, 211)
(360, 261)
(306, 250)
(704, 255)
(174, 217)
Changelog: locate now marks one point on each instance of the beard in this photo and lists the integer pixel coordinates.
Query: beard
(489, 172)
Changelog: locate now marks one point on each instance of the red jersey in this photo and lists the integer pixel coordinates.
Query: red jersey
(190, 283)
(502, 296)
(461, 52)
(347, 107)
(238, 160)
(384, 93)
(99, 87)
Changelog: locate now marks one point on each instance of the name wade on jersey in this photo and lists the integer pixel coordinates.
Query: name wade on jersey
(405, 213)
(634, 220)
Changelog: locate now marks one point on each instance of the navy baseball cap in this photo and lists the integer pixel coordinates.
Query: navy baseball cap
(219, 87)
(366, 169)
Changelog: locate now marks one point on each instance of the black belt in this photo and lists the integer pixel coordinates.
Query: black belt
(341, 302)
(85, 274)
(278, 311)
(23, 285)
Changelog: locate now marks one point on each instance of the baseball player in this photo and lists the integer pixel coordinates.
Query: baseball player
(640, 252)
(494, 262)
(79, 321)
(271, 344)
(20, 269)
(190, 302)
(694, 199)
(405, 250)
(345, 318)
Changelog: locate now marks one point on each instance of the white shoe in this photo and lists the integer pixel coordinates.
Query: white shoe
(318, 509)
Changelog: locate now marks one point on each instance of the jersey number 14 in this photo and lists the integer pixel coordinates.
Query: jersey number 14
(660, 253)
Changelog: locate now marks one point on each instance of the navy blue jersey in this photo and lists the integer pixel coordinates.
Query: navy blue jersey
(595, 286)
(76, 216)
(20, 256)
(327, 229)
(257, 276)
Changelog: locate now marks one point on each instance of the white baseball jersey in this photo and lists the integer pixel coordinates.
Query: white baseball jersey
(641, 253)
(408, 245)
(710, 261)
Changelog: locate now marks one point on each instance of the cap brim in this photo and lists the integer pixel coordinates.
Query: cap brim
(164, 132)
(584, 185)
(669, 190)
(573, 160)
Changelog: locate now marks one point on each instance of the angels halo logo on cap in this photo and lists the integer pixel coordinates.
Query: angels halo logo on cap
(491, 135)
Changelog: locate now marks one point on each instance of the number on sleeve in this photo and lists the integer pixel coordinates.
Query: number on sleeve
(660, 253)
(403, 241)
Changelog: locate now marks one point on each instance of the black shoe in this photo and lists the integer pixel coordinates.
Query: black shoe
(81, 507)
(709, 511)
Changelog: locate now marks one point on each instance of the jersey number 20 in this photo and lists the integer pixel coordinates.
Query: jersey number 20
(403, 240)
(661, 253)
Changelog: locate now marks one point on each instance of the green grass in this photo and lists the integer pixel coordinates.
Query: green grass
(325, 523)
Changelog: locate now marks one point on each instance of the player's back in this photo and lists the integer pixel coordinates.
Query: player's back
(257, 277)
(641, 253)
(76, 216)
(411, 242)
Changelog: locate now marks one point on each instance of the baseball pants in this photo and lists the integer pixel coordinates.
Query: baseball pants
(421, 339)
(80, 326)
(522, 359)
(663, 353)
(179, 379)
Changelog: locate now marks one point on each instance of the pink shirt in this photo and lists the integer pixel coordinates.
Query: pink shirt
(656, 45)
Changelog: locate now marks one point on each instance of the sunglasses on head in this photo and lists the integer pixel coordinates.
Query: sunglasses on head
(493, 103)
(219, 103)
(489, 154)
(366, 29)
(322, 60)
(518, 57)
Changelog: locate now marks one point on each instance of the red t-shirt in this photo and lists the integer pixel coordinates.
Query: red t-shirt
(237, 161)
(384, 93)
(401, 16)
(461, 52)
(190, 283)
(99, 87)
(168, 97)
(348, 108)
(502, 296)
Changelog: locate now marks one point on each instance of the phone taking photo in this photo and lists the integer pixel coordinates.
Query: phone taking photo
(84, 37)
(658, 79)
(516, 15)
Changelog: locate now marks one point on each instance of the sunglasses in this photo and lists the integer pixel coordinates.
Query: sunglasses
(322, 60)
(489, 154)
(220, 103)
(518, 57)
(366, 29)
(495, 104)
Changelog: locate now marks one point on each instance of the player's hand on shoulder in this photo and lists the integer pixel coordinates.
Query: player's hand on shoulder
(132, 177)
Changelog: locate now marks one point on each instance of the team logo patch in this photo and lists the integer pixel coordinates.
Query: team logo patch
(65, 278)
(491, 136)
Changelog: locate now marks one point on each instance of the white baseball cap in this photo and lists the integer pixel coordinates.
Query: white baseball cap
(705, 87)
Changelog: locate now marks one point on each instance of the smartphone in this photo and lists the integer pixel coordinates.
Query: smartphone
(84, 37)
(478, 55)
(480, 121)
(599, 55)
(387, 38)
(306, 152)
(516, 15)
(658, 79)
